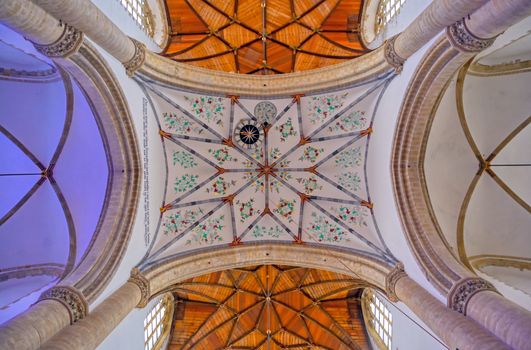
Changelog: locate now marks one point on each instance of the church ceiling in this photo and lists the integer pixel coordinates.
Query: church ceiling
(246, 171)
(264, 36)
(268, 307)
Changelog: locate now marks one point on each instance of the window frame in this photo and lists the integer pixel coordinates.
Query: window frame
(378, 319)
(141, 13)
(157, 323)
(386, 12)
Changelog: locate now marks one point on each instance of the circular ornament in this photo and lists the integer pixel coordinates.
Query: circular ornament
(265, 112)
(248, 134)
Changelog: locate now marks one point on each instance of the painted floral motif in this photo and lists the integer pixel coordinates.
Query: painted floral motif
(185, 182)
(179, 124)
(276, 186)
(220, 186)
(349, 158)
(283, 164)
(262, 231)
(352, 215)
(247, 209)
(208, 108)
(310, 184)
(311, 154)
(324, 106)
(184, 159)
(222, 155)
(285, 209)
(350, 180)
(286, 130)
(180, 220)
(355, 120)
(325, 230)
(274, 154)
(208, 232)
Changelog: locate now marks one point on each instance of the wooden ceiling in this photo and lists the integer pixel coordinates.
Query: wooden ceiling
(268, 308)
(264, 36)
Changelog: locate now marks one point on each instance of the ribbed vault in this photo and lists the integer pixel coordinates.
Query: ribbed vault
(268, 307)
(264, 36)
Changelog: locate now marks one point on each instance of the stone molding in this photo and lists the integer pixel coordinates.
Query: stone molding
(391, 280)
(464, 290)
(391, 56)
(143, 283)
(107, 100)
(138, 58)
(67, 44)
(463, 40)
(71, 298)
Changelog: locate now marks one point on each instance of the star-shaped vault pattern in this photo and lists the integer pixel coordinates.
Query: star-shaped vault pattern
(303, 182)
(268, 307)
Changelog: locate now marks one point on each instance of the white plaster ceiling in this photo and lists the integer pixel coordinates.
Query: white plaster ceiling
(497, 218)
(303, 181)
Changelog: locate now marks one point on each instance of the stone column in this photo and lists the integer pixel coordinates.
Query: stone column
(435, 18)
(478, 300)
(89, 332)
(454, 329)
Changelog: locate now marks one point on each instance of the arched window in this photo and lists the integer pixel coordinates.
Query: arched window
(378, 319)
(141, 13)
(387, 10)
(157, 323)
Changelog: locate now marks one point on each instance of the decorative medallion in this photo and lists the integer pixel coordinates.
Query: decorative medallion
(265, 112)
(249, 134)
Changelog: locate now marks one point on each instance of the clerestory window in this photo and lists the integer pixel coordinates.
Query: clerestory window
(141, 13)
(156, 323)
(387, 10)
(379, 319)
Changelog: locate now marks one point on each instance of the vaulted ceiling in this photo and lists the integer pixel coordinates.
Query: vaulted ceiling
(264, 36)
(268, 308)
(250, 171)
(53, 173)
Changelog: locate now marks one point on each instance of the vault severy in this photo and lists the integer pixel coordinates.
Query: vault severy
(300, 178)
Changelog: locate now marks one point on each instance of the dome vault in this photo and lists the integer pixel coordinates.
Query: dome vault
(249, 171)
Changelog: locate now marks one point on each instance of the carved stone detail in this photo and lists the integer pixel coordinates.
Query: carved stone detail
(67, 44)
(391, 279)
(142, 282)
(71, 298)
(464, 290)
(391, 56)
(138, 59)
(463, 40)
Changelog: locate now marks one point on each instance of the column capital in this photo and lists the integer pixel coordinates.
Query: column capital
(390, 281)
(71, 298)
(143, 283)
(464, 290)
(67, 44)
(138, 58)
(391, 56)
(463, 40)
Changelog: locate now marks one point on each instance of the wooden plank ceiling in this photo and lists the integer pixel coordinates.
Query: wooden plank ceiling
(268, 308)
(264, 36)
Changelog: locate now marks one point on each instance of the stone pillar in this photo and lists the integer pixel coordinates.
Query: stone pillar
(454, 329)
(88, 18)
(435, 18)
(31, 21)
(89, 332)
(478, 300)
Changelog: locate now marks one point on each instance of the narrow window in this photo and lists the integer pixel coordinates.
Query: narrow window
(387, 10)
(378, 318)
(141, 13)
(157, 322)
